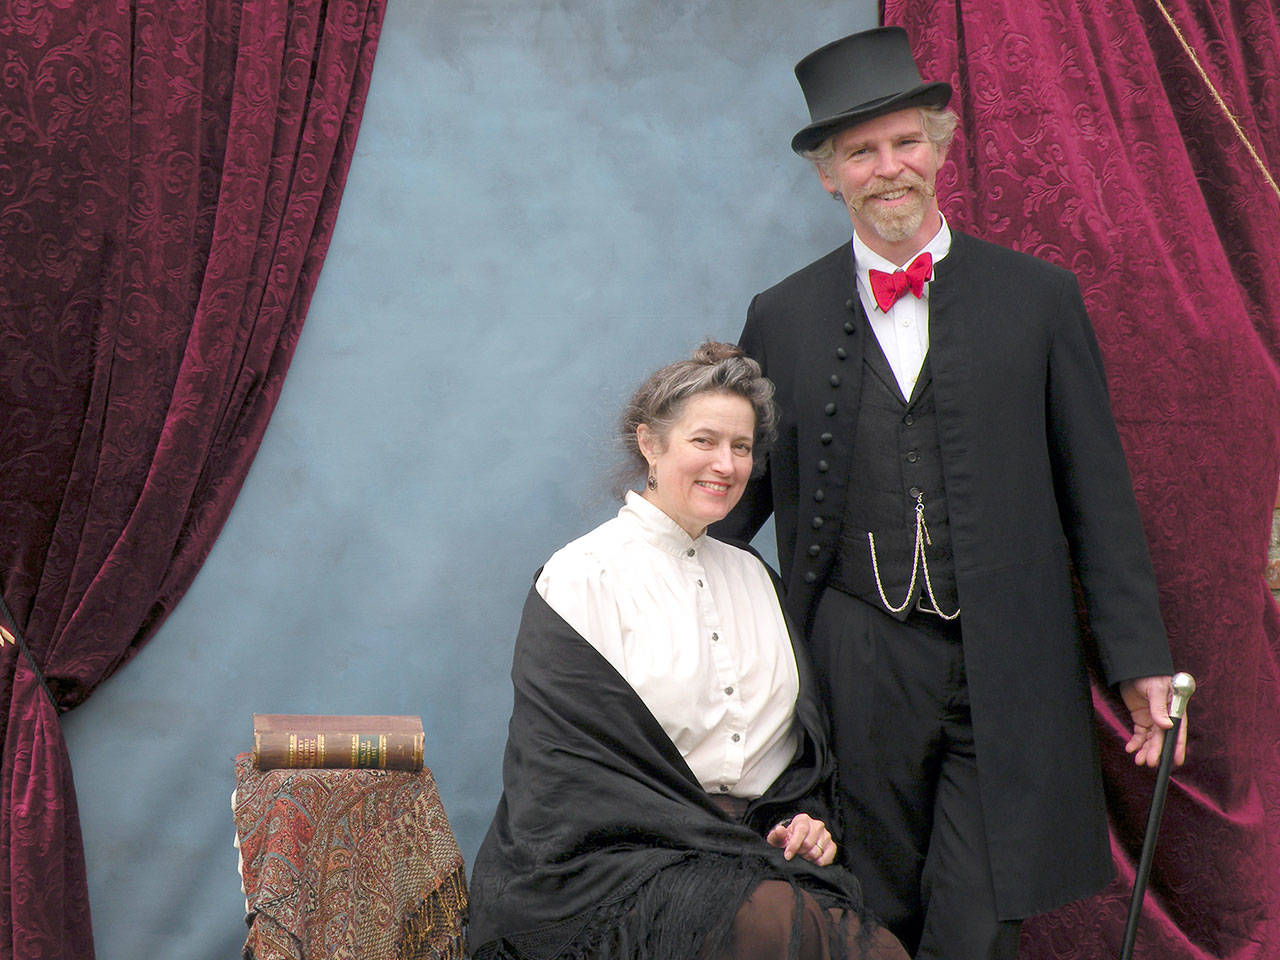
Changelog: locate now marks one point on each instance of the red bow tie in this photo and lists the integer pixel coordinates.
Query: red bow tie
(888, 287)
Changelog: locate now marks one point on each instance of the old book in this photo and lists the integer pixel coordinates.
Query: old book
(339, 742)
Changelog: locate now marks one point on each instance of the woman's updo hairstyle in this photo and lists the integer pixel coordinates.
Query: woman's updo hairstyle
(715, 367)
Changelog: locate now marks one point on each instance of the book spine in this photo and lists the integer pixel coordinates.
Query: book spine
(337, 750)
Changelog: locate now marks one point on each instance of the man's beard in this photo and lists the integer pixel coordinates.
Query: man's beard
(892, 226)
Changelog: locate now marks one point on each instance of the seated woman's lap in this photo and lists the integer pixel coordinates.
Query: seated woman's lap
(764, 925)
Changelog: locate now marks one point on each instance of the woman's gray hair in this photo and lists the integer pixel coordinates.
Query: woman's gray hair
(939, 127)
(715, 367)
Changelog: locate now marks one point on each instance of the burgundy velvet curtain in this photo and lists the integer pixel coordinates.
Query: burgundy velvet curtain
(1093, 137)
(170, 172)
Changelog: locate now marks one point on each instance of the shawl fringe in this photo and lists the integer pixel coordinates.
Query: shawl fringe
(686, 912)
(435, 927)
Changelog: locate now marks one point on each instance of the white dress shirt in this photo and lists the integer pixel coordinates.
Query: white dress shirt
(694, 626)
(903, 331)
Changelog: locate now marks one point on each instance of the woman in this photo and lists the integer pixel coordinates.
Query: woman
(666, 762)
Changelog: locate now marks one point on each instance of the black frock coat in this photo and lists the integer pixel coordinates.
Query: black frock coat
(1036, 481)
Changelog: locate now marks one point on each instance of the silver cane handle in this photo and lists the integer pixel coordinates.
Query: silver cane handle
(1184, 685)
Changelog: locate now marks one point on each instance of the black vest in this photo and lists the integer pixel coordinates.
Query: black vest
(896, 463)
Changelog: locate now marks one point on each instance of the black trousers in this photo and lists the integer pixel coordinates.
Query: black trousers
(908, 775)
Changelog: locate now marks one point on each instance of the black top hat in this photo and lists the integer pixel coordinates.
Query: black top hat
(861, 76)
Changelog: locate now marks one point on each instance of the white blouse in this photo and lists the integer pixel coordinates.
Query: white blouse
(694, 626)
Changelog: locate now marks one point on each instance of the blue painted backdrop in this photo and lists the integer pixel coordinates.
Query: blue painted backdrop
(548, 200)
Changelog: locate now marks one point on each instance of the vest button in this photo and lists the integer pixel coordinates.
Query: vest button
(814, 550)
(841, 353)
(825, 438)
(835, 381)
(819, 495)
(816, 522)
(830, 409)
(848, 327)
(823, 466)
(810, 577)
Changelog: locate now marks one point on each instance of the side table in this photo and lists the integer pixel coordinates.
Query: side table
(347, 865)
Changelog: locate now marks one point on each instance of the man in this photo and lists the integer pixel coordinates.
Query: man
(946, 455)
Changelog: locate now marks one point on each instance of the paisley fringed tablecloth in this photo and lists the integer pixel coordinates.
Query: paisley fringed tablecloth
(347, 865)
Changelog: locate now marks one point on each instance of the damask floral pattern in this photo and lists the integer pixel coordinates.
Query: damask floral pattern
(170, 172)
(1089, 137)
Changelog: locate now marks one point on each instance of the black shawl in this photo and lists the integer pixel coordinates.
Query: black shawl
(597, 801)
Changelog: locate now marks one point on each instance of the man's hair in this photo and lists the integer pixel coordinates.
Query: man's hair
(939, 128)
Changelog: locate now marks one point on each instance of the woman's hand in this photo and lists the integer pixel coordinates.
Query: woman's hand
(806, 836)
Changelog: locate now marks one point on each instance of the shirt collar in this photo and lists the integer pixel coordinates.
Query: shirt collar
(867, 259)
(656, 527)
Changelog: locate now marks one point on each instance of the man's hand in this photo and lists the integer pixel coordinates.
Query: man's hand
(806, 836)
(1148, 701)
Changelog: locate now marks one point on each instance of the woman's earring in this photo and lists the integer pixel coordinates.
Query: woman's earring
(652, 482)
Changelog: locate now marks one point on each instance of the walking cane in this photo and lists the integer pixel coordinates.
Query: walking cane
(1184, 685)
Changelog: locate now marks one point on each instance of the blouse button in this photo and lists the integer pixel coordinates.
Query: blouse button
(715, 636)
(823, 466)
(724, 788)
(819, 496)
(841, 353)
(825, 438)
(816, 522)
(835, 380)
(830, 409)
(728, 691)
(736, 738)
(814, 550)
(699, 583)
(690, 552)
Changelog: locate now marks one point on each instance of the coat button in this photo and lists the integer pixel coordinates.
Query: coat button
(908, 419)
(835, 381)
(816, 522)
(841, 353)
(825, 438)
(915, 492)
(830, 409)
(819, 495)
(823, 466)
(810, 577)
(814, 550)
(912, 457)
